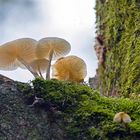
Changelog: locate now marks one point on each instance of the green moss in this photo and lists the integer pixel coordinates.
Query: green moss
(86, 115)
(119, 23)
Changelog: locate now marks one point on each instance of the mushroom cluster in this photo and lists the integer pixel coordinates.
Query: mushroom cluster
(36, 56)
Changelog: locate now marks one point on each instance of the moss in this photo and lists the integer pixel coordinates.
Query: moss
(85, 115)
(119, 23)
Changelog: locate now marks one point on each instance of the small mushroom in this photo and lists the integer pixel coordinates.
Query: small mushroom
(70, 68)
(52, 48)
(18, 53)
(39, 66)
(122, 117)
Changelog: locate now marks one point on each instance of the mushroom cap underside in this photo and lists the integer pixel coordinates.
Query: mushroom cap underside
(58, 46)
(39, 65)
(10, 53)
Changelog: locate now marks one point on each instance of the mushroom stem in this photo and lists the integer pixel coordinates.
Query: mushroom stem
(28, 67)
(40, 72)
(49, 65)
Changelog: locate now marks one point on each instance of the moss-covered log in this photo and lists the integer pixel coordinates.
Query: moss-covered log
(118, 21)
(85, 115)
(19, 121)
(68, 111)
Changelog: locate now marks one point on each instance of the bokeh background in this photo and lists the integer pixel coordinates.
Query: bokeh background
(73, 20)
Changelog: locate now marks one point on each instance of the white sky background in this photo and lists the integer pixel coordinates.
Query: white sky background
(73, 20)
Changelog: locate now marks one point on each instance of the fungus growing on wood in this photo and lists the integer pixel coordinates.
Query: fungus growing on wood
(52, 48)
(39, 66)
(70, 68)
(122, 117)
(18, 53)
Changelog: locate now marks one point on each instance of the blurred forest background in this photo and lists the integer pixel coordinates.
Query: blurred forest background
(19, 14)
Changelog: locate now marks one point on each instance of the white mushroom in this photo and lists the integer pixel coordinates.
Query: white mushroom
(70, 68)
(52, 48)
(17, 53)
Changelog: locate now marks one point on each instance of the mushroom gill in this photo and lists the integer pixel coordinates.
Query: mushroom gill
(17, 53)
(39, 66)
(52, 48)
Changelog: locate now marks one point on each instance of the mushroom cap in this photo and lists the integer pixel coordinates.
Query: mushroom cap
(8, 58)
(70, 68)
(117, 117)
(39, 65)
(122, 117)
(25, 48)
(11, 51)
(58, 46)
(8, 63)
